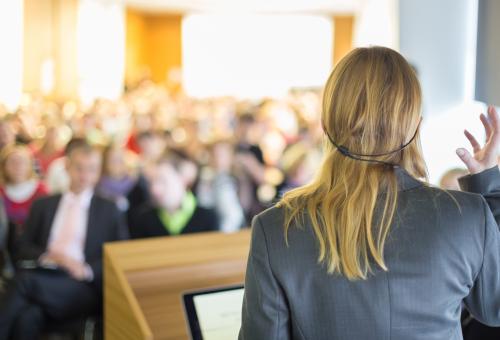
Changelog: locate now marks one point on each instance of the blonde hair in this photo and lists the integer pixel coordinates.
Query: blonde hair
(371, 105)
(4, 157)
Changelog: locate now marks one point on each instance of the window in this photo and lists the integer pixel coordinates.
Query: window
(255, 55)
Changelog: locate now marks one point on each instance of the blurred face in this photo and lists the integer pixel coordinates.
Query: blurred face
(6, 134)
(167, 187)
(83, 170)
(18, 167)
(242, 130)
(222, 156)
(143, 122)
(151, 147)
(451, 182)
(188, 172)
(51, 136)
(115, 163)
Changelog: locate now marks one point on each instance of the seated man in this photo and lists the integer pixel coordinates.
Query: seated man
(67, 232)
(174, 209)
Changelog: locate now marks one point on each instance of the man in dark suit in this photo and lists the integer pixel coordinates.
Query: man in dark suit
(64, 232)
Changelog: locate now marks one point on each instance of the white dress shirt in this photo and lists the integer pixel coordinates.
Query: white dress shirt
(75, 250)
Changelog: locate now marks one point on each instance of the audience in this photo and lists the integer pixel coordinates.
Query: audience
(171, 164)
(48, 151)
(66, 232)
(250, 165)
(174, 209)
(7, 135)
(20, 187)
(116, 177)
(57, 177)
(150, 146)
(217, 188)
(7, 269)
(449, 180)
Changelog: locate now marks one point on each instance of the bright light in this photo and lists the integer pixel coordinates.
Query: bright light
(47, 71)
(254, 55)
(442, 134)
(101, 49)
(377, 24)
(11, 55)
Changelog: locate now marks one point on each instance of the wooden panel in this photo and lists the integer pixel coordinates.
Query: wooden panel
(135, 63)
(65, 49)
(159, 292)
(38, 41)
(50, 36)
(163, 45)
(123, 318)
(153, 45)
(157, 272)
(343, 37)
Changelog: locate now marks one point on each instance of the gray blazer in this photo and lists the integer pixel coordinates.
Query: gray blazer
(438, 257)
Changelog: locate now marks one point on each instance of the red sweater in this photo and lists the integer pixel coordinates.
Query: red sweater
(17, 212)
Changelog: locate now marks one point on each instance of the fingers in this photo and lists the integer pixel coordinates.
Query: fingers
(472, 165)
(494, 120)
(475, 145)
(488, 128)
(491, 147)
(76, 271)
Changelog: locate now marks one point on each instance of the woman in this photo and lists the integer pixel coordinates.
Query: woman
(116, 180)
(368, 250)
(49, 151)
(19, 188)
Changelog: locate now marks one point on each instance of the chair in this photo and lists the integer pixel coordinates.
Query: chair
(89, 328)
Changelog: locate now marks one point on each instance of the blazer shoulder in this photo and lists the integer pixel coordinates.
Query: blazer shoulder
(104, 202)
(455, 210)
(44, 201)
(272, 220)
(102, 199)
(464, 199)
(272, 213)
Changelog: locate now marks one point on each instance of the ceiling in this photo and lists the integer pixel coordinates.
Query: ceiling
(259, 6)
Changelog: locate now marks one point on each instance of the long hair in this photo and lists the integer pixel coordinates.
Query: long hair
(371, 105)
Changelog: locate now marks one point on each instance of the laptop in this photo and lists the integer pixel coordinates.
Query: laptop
(214, 314)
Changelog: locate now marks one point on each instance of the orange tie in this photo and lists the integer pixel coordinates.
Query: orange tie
(68, 233)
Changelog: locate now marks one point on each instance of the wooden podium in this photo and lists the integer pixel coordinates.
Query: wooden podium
(144, 280)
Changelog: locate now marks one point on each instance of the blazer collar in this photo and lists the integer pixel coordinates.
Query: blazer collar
(405, 180)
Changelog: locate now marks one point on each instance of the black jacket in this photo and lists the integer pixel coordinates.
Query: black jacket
(105, 224)
(146, 222)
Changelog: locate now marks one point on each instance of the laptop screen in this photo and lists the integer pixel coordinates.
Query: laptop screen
(214, 314)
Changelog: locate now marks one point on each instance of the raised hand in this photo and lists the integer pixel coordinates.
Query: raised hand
(484, 157)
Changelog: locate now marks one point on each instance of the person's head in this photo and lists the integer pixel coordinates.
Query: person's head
(151, 145)
(83, 165)
(294, 164)
(51, 138)
(143, 122)
(449, 180)
(371, 106)
(7, 133)
(222, 155)
(114, 162)
(16, 165)
(168, 183)
(245, 123)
